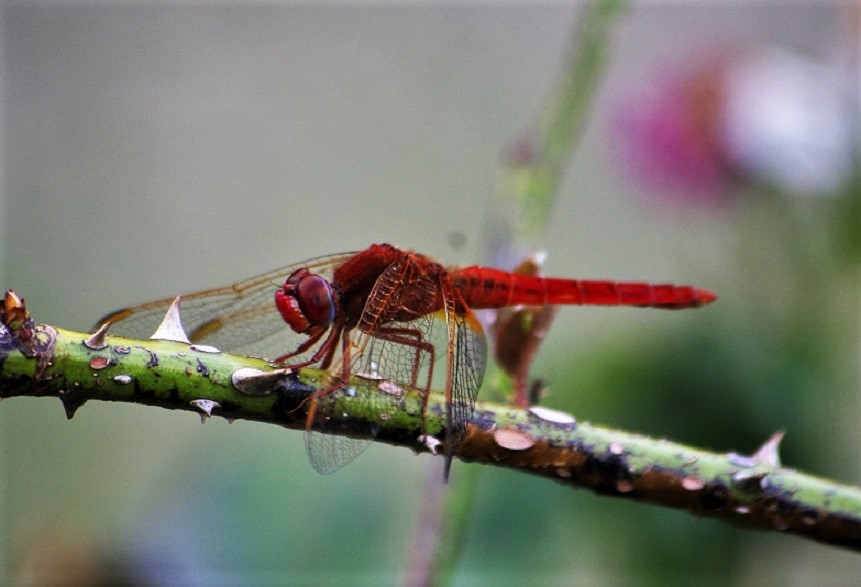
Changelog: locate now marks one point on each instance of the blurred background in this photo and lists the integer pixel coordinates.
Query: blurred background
(156, 150)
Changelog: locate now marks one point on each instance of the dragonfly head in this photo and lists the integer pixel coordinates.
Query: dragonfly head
(305, 302)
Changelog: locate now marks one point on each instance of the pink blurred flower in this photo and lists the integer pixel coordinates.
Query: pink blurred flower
(670, 140)
(764, 115)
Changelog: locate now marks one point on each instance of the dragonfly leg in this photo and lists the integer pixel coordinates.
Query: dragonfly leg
(414, 339)
(323, 356)
(325, 361)
(312, 340)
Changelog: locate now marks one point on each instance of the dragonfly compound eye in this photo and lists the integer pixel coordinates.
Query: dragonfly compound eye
(315, 299)
(305, 302)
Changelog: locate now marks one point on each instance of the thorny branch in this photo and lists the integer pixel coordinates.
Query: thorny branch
(755, 491)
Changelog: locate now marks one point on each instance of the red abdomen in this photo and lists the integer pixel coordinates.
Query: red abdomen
(491, 288)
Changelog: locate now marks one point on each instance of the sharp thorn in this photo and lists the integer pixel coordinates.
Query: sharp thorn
(431, 442)
(205, 406)
(769, 453)
(71, 405)
(98, 340)
(171, 326)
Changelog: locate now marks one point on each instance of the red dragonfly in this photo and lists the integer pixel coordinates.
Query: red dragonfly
(384, 313)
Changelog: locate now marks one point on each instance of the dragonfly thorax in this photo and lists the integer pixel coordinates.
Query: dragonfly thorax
(306, 302)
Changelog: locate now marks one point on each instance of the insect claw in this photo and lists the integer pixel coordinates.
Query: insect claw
(171, 326)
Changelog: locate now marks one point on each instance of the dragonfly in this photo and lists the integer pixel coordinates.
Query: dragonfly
(383, 313)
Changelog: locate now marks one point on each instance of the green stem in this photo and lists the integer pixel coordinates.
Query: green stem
(534, 165)
(746, 490)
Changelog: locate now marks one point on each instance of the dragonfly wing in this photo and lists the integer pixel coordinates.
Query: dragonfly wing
(466, 359)
(239, 318)
(470, 359)
(327, 452)
(391, 348)
(392, 363)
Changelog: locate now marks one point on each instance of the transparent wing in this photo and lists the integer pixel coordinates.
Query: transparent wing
(398, 355)
(327, 452)
(391, 348)
(394, 359)
(470, 359)
(240, 318)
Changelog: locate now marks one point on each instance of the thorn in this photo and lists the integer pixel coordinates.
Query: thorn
(98, 340)
(431, 442)
(256, 382)
(766, 456)
(769, 453)
(205, 406)
(171, 326)
(72, 405)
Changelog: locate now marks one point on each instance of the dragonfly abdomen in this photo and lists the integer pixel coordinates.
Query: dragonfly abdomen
(491, 288)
